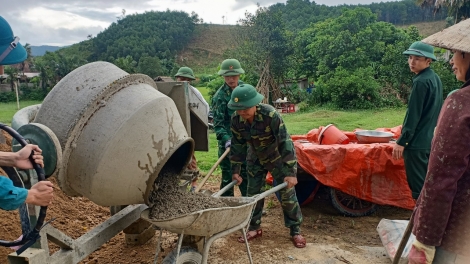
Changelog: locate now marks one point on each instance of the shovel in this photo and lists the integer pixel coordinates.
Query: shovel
(404, 239)
(198, 188)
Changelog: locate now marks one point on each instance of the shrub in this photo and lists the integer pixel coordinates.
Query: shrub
(444, 70)
(31, 93)
(357, 89)
(214, 85)
(6, 97)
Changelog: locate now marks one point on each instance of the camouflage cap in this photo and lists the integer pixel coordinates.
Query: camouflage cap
(243, 97)
(230, 67)
(185, 72)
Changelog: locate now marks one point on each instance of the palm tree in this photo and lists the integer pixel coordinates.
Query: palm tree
(12, 73)
(29, 58)
(456, 8)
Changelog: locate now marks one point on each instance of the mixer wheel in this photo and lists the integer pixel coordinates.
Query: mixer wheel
(188, 255)
(42, 136)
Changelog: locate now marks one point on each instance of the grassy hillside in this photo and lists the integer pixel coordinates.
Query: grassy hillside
(428, 28)
(205, 51)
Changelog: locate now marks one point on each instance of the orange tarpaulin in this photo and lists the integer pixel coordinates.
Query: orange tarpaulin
(365, 171)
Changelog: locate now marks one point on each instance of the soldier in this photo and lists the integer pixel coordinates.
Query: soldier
(231, 70)
(423, 110)
(186, 74)
(260, 137)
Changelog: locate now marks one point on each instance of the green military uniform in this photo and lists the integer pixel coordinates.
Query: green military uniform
(221, 123)
(266, 146)
(424, 106)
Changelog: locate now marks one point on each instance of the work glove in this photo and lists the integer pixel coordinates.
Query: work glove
(228, 143)
(421, 253)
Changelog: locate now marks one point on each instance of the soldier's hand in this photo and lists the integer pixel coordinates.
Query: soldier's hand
(238, 178)
(291, 181)
(397, 151)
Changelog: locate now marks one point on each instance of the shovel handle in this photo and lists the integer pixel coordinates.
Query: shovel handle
(212, 170)
(404, 240)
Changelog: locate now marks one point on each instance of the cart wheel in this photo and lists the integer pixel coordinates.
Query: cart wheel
(188, 255)
(350, 205)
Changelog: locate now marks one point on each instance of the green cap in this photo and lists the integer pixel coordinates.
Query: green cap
(243, 97)
(185, 72)
(421, 49)
(230, 67)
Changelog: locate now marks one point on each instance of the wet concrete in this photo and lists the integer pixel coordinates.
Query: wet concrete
(169, 201)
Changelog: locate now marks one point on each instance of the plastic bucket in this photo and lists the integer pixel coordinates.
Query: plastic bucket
(332, 135)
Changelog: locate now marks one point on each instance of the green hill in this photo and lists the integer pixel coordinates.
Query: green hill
(428, 28)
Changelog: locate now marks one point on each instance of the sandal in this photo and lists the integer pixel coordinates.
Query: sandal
(299, 241)
(249, 237)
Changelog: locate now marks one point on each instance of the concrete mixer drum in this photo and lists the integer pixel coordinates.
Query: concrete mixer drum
(117, 131)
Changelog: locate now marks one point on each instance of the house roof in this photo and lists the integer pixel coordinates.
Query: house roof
(29, 75)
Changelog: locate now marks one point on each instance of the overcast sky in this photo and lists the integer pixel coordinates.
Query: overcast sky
(65, 22)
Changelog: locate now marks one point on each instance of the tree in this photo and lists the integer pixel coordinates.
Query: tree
(459, 9)
(127, 64)
(264, 41)
(12, 74)
(29, 58)
(354, 58)
(150, 66)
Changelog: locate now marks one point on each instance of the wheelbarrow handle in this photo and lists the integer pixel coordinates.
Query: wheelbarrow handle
(228, 186)
(270, 191)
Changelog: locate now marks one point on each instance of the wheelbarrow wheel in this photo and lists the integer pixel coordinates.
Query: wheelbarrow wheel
(188, 255)
(351, 206)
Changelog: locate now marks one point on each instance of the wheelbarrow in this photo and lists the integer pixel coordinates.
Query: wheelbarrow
(210, 224)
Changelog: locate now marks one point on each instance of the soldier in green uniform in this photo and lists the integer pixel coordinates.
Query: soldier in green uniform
(424, 106)
(231, 70)
(260, 137)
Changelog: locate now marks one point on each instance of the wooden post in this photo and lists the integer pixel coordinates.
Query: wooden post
(17, 97)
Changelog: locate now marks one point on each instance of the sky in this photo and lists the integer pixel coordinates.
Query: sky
(65, 22)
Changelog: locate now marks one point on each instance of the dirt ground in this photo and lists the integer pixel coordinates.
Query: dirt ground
(331, 237)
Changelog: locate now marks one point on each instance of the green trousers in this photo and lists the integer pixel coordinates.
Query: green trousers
(290, 205)
(416, 167)
(226, 168)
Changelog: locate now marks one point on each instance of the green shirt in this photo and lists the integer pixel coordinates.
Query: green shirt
(222, 113)
(265, 139)
(423, 110)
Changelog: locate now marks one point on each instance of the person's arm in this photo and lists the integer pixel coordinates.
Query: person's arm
(413, 113)
(219, 108)
(285, 147)
(11, 197)
(448, 161)
(238, 149)
(20, 159)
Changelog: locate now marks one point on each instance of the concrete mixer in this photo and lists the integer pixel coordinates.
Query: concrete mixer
(114, 133)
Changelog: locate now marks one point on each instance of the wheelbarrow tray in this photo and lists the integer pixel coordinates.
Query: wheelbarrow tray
(210, 221)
